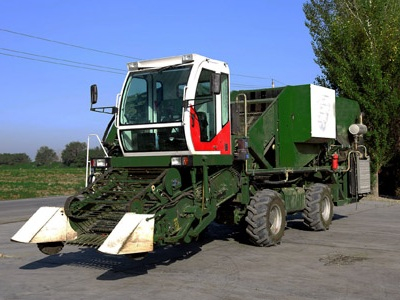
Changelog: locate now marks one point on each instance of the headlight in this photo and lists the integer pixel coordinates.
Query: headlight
(100, 162)
(181, 161)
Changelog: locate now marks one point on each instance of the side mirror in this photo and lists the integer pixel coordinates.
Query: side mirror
(93, 94)
(93, 100)
(216, 83)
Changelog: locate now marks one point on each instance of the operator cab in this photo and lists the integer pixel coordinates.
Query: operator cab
(176, 105)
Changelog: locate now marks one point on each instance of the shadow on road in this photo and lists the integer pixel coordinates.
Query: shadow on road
(118, 267)
(295, 221)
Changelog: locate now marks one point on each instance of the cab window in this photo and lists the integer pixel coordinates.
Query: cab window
(204, 105)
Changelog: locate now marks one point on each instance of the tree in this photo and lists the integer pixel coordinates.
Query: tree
(74, 154)
(14, 158)
(96, 152)
(45, 156)
(357, 46)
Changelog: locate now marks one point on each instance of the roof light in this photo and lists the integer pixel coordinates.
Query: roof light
(133, 66)
(187, 58)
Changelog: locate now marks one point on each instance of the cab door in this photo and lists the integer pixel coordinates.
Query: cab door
(209, 114)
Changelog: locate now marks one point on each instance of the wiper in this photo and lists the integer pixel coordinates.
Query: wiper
(168, 68)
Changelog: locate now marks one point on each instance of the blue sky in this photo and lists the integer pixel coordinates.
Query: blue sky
(47, 104)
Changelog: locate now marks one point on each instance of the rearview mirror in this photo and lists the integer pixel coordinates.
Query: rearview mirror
(216, 83)
(93, 94)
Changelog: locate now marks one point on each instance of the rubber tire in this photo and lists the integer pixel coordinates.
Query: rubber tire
(50, 248)
(266, 218)
(318, 211)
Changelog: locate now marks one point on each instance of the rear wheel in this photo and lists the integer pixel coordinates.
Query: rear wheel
(318, 212)
(266, 218)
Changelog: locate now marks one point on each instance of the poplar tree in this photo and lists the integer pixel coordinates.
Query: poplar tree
(357, 46)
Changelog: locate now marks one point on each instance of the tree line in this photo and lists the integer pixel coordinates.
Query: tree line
(73, 155)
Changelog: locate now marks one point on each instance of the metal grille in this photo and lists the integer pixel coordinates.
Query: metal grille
(363, 178)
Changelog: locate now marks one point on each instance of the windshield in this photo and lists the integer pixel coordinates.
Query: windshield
(154, 97)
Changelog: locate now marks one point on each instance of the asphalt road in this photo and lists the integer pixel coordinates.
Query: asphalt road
(358, 258)
(21, 210)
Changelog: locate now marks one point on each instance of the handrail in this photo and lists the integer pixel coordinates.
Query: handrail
(87, 154)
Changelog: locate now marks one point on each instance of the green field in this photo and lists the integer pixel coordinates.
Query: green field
(28, 181)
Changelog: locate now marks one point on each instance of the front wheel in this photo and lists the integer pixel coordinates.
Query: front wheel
(266, 218)
(318, 212)
(50, 248)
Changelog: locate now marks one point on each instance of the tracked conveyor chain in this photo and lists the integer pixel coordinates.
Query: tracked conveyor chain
(98, 208)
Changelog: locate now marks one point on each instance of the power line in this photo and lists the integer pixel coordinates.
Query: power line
(59, 59)
(62, 64)
(248, 76)
(258, 77)
(240, 85)
(66, 44)
(89, 49)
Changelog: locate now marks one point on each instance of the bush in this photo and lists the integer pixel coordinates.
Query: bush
(14, 159)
